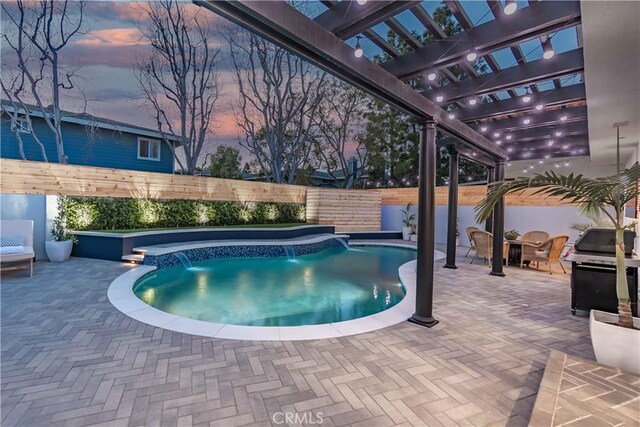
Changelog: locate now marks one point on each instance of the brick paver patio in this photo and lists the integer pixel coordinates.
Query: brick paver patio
(70, 358)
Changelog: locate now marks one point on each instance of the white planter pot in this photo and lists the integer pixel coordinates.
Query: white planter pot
(413, 238)
(58, 251)
(613, 345)
(406, 233)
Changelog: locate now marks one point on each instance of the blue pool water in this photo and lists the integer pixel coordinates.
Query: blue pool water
(331, 286)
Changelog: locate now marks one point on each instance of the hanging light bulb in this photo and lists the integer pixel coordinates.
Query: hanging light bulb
(472, 56)
(557, 164)
(563, 118)
(483, 129)
(510, 6)
(452, 116)
(496, 134)
(558, 133)
(550, 142)
(361, 2)
(527, 97)
(431, 76)
(473, 101)
(539, 107)
(498, 142)
(509, 137)
(358, 52)
(439, 98)
(526, 121)
(547, 49)
(540, 161)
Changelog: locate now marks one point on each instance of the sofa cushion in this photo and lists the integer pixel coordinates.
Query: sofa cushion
(26, 255)
(17, 240)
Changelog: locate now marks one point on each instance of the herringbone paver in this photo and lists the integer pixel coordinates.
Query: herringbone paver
(70, 358)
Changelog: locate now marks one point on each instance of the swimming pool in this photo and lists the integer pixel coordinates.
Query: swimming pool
(334, 285)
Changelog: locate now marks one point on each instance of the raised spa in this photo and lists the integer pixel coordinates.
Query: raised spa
(333, 285)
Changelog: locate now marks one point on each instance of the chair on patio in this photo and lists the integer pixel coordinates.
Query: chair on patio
(535, 237)
(468, 230)
(483, 244)
(17, 242)
(548, 251)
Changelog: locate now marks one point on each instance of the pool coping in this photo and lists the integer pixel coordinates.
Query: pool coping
(121, 296)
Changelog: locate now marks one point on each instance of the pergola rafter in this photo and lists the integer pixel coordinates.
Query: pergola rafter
(552, 97)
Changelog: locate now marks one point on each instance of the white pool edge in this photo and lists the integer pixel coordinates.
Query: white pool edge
(121, 296)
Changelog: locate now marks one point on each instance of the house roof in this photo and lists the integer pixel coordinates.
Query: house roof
(86, 119)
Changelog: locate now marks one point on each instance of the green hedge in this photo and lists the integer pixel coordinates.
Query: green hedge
(104, 213)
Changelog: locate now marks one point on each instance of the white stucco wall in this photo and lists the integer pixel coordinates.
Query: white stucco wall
(552, 219)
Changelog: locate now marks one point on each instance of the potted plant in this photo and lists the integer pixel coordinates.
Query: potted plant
(414, 232)
(511, 234)
(615, 337)
(407, 221)
(59, 249)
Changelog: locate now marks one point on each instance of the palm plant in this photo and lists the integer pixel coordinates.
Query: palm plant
(408, 216)
(595, 196)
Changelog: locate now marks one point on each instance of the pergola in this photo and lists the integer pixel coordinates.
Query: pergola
(503, 115)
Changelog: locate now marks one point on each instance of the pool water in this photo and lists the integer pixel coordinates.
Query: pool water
(331, 286)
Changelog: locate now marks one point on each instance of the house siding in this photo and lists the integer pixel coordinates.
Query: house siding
(108, 148)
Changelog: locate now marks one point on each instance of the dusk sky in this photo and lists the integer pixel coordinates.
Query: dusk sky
(107, 54)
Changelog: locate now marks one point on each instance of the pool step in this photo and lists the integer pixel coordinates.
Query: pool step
(139, 258)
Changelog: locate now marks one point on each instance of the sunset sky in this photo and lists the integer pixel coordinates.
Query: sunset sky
(107, 54)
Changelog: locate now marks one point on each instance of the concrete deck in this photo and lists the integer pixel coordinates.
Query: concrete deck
(70, 358)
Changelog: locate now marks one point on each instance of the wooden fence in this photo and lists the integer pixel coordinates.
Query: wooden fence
(25, 177)
(467, 196)
(348, 210)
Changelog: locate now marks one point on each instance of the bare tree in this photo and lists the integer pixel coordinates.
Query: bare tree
(180, 76)
(36, 34)
(340, 123)
(279, 95)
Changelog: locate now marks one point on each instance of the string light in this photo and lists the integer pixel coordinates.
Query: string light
(439, 98)
(473, 101)
(510, 6)
(563, 118)
(558, 133)
(358, 52)
(547, 49)
(361, 2)
(452, 116)
(472, 56)
(508, 137)
(539, 107)
(526, 121)
(431, 76)
(483, 129)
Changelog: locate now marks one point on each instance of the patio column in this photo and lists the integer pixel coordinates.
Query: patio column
(426, 226)
(498, 227)
(488, 225)
(452, 210)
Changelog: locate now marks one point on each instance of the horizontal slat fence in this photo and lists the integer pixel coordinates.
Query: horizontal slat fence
(469, 195)
(348, 210)
(25, 177)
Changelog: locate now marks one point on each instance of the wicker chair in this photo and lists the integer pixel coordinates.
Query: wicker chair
(469, 230)
(483, 244)
(535, 236)
(547, 252)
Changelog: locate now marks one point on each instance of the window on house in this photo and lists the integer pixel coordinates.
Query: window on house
(21, 124)
(148, 149)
